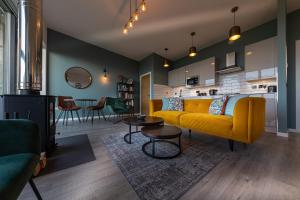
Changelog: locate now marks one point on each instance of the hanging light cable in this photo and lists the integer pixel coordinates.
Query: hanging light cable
(192, 50)
(235, 31)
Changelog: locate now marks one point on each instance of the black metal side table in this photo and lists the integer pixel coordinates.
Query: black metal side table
(136, 121)
(162, 134)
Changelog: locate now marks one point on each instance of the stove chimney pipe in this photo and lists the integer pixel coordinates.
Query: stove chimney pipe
(29, 58)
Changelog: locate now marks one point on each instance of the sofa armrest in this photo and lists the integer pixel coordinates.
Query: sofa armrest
(154, 105)
(249, 119)
(19, 136)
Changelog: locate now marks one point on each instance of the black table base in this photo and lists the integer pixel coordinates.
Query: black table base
(127, 137)
(153, 141)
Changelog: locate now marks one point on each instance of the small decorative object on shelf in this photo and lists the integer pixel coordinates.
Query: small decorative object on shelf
(125, 90)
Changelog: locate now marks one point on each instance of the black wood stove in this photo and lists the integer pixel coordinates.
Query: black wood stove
(38, 108)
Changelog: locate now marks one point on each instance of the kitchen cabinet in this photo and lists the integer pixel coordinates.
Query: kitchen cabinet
(205, 70)
(172, 78)
(176, 77)
(271, 111)
(261, 59)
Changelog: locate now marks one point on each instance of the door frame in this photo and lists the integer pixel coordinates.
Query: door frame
(150, 77)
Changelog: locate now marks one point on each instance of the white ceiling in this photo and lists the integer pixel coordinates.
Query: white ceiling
(167, 23)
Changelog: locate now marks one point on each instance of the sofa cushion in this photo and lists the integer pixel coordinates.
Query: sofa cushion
(218, 106)
(175, 104)
(170, 117)
(232, 102)
(220, 125)
(15, 171)
(197, 105)
(165, 103)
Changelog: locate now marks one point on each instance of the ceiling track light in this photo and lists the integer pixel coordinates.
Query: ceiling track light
(135, 16)
(193, 49)
(166, 62)
(235, 31)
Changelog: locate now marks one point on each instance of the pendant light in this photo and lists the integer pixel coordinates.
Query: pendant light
(105, 73)
(143, 6)
(133, 17)
(166, 62)
(235, 31)
(192, 50)
(130, 23)
(136, 13)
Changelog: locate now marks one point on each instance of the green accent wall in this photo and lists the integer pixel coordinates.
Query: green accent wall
(293, 34)
(154, 64)
(65, 52)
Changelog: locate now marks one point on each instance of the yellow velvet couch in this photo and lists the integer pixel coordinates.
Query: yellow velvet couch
(246, 125)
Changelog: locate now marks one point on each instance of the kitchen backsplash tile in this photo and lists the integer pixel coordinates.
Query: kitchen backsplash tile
(226, 84)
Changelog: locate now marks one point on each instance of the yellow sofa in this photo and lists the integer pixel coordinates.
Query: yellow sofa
(246, 125)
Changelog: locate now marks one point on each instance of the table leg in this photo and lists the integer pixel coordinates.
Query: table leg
(153, 147)
(130, 134)
(179, 143)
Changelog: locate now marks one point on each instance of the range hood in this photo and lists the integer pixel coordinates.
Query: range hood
(231, 65)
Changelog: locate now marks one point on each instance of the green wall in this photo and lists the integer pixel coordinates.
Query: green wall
(65, 52)
(154, 64)
(293, 34)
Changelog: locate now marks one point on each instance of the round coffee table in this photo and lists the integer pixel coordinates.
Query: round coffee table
(135, 121)
(161, 133)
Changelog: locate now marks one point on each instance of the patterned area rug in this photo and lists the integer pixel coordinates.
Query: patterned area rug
(154, 179)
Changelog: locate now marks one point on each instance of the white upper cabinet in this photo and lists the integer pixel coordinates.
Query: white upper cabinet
(176, 77)
(181, 77)
(205, 70)
(261, 59)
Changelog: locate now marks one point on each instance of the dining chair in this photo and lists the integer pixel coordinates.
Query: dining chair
(66, 105)
(99, 108)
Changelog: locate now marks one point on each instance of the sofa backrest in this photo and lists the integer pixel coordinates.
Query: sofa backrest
(196, 105)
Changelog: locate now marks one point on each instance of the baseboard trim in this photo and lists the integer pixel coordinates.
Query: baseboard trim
(95, 117)
(293, 130)
(280, 134)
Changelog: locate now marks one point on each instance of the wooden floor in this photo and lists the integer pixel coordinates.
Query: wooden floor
(268, 169)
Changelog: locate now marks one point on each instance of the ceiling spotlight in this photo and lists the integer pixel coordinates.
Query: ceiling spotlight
(192, 50)
(235, 31)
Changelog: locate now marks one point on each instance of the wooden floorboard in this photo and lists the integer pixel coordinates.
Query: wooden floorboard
(267, 169)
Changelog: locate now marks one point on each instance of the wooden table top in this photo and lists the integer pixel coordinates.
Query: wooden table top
(147, 121)
(161, 132)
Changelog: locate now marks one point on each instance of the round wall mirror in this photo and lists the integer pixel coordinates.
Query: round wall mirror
(78, 77)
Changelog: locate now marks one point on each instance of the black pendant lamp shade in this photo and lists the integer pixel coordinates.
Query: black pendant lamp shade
(166, 62)
(192, 50)
(235, 31)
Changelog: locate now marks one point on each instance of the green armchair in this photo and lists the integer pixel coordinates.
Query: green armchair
(20, 148)
(118, 106)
